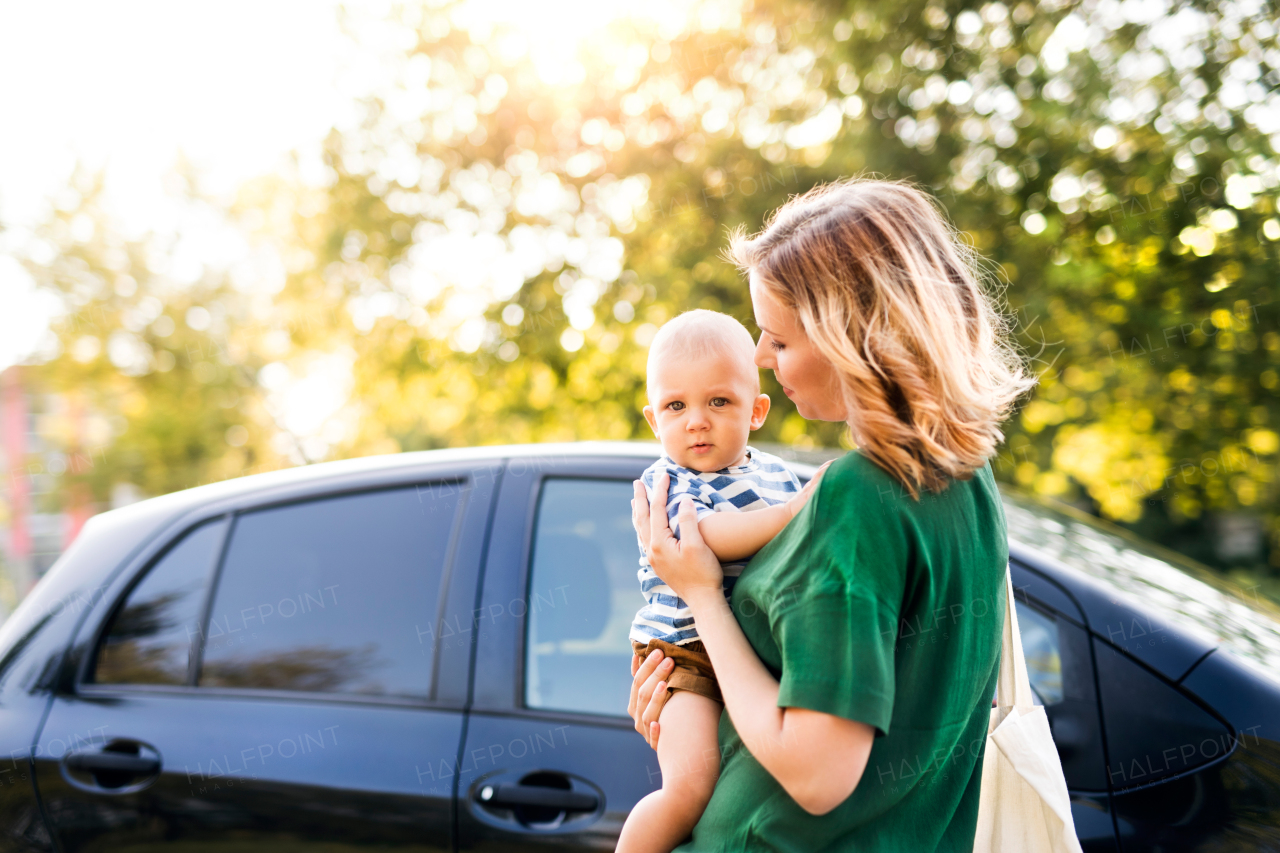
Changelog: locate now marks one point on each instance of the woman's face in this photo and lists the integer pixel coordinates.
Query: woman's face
(805, 376)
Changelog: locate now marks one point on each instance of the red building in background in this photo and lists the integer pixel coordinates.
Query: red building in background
(16, 428)
(42, 435)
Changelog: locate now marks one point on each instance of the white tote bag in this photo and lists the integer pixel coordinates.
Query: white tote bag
(1024, 806)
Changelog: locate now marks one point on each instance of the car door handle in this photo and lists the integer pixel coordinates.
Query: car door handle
(114, 762)
(507, 796)
(121, 766)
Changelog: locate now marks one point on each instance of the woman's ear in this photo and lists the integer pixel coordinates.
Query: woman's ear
(653, 419)
(759, 410)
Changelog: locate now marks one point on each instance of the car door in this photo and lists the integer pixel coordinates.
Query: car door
(269, 678)
(551, 758)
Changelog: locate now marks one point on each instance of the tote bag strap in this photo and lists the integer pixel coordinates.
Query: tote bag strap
(1013, 688)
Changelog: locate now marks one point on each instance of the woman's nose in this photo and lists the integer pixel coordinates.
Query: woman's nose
(764, 359)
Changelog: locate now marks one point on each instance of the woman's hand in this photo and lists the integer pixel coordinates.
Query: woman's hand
(797, 503)
(685, 564)
(649, 693)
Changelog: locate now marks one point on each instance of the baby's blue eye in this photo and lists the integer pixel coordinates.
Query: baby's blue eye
(719, 401)
(675, 406)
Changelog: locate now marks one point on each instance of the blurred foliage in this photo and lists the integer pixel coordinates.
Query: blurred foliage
(492, 247)
(157, 392)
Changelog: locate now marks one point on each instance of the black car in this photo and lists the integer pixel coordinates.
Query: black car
(429, 651)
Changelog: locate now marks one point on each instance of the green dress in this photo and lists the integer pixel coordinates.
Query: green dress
(876, 608)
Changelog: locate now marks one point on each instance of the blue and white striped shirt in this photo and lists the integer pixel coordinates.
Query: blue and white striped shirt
(763, 481)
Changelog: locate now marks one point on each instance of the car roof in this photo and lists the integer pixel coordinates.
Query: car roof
(343, 468)
(1162, 584)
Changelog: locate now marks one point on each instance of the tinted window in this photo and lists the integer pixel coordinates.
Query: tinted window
(1043, 653)
(1153, 729)
(332, 595)
(583, 595)
(151, 637)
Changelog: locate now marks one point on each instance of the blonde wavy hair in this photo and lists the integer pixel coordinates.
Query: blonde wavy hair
(888, 294)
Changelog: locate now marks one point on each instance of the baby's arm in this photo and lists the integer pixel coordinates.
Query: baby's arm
(738, 535)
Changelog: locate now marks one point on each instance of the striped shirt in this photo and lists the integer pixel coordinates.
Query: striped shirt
(763, 481)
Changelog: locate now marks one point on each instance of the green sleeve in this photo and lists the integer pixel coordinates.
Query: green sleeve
(836, 625)
(837, 645)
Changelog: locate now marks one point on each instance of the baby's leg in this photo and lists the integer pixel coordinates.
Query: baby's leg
(689, 757)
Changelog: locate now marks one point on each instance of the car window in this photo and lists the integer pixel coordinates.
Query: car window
(1153, 729)
(150, 639)
(1043, 653)
(583, 594)
(331, 595)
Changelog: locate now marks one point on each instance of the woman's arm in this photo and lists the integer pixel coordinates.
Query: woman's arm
(817, 758)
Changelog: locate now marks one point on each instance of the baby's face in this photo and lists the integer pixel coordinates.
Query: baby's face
(703, 410)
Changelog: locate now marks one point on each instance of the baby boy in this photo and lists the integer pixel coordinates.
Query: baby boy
(704, 401)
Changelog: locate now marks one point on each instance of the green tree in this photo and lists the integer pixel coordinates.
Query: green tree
(494, 244)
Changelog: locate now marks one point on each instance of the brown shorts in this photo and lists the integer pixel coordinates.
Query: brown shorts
(693, 670)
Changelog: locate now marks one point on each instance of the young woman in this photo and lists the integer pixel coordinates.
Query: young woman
(859, 658)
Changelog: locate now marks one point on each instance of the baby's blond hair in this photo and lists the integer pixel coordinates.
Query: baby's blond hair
(701, 333)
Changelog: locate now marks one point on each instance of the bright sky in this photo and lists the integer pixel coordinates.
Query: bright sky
(126, 86)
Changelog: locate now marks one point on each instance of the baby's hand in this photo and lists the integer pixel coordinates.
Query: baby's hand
(797, 503)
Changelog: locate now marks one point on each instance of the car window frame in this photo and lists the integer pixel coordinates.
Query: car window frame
(1033, 586)
(522, 660)
(1035, 606)
(526, 584)
(98, 619)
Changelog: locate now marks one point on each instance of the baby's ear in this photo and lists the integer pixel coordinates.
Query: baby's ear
(759, 410)
(652, 418)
